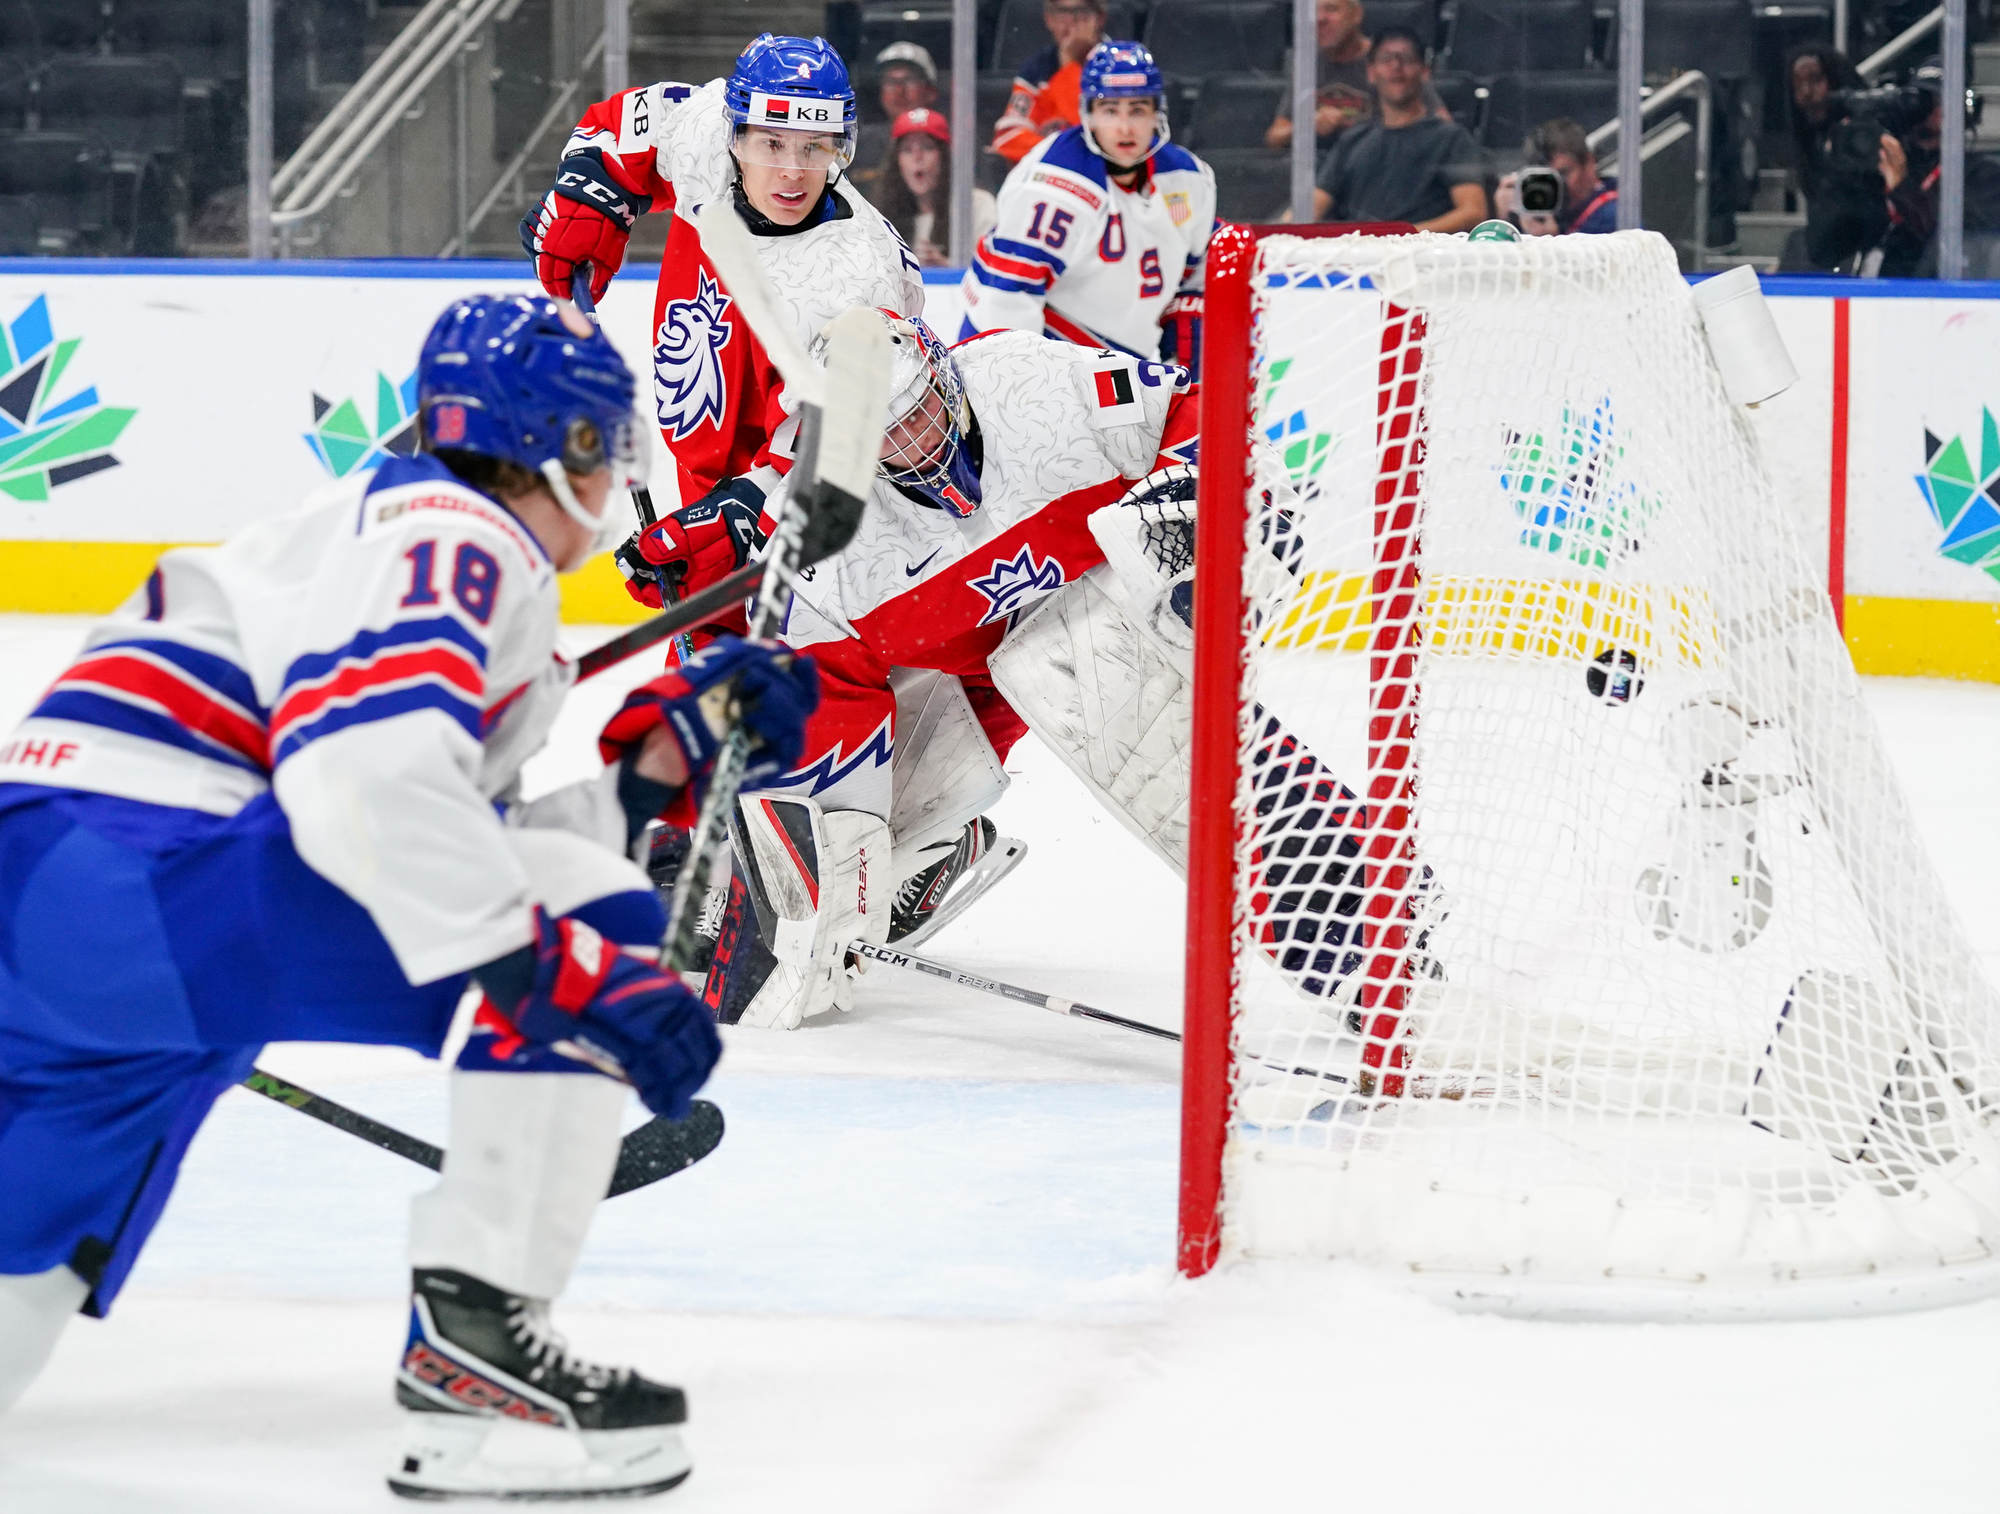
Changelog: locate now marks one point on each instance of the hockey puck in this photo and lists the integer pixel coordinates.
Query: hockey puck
(1614, 677)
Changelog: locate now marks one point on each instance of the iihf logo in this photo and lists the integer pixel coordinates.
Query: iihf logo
(687, 361)
(1014, 582)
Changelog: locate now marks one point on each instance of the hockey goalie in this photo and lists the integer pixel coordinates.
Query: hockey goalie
(1026, 562)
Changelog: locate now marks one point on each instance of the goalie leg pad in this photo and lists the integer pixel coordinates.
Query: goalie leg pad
(945, 771)
(817, 879)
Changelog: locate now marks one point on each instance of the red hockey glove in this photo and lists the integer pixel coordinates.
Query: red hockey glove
(585, 218)
(1180, 332)
(695, 546)
(588, 999)
(757, 684)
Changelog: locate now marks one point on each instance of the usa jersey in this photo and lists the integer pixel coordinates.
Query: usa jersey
(1075, 255)
(1063, 430)
(382, 661)
(718, 399)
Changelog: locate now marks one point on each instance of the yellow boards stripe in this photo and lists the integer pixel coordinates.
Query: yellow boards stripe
(1472, 616)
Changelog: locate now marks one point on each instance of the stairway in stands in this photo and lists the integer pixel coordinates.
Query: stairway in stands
(689, 40)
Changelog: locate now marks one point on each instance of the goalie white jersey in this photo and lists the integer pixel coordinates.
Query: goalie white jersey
(382, 660)
(1078, 256)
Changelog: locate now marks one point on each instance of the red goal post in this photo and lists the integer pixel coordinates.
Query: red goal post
(1228, 360)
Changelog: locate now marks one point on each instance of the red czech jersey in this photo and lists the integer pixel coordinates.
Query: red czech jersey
(719, 401)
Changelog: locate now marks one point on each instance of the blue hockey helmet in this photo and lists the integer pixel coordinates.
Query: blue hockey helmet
(924, 441)
(512, 377)
(1122, 71)
(794, 84)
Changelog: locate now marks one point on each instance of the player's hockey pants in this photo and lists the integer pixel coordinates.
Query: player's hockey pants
(146, 955)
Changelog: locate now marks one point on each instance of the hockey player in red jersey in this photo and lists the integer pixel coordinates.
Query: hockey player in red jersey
(776, 135)
(275, 798)
(997, 455)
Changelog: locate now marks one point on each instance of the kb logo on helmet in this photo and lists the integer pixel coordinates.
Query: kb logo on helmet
(798, 111)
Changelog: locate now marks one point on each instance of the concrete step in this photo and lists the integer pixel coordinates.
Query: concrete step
(1718, 261)
(1986, 63)
(1762, 233)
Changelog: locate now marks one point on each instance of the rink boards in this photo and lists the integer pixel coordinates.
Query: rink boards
(144, 403)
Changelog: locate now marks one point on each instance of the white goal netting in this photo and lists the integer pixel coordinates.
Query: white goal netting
(1615, 978)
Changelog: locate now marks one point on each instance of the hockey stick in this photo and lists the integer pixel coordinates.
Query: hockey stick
(840, 433)
(889, 956)
(581, 297)
(658, 1149)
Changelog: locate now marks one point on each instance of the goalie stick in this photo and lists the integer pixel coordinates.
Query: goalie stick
(890, 956)
(657, 1149)
(840, 434)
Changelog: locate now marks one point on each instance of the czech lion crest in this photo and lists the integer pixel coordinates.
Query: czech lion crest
(687, 359)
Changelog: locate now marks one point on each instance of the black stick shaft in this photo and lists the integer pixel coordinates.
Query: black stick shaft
(1053, 1002)
(682, 616)
(340, 1117)
(1012, 991)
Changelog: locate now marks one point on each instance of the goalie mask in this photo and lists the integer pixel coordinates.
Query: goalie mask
(924, 446)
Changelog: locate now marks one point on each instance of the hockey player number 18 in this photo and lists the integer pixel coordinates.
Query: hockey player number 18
(474, 578)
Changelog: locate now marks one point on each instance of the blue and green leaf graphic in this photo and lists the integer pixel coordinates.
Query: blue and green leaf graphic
(1568, 492)
(46, 442)
(1965, 504)
(344, 443)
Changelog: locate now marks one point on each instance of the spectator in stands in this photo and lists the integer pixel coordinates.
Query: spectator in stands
(1845, 206)
(1044, 99)
(1344, 92)
(1589, 200)
(906, 79)
(916, 194)
(1403, 163)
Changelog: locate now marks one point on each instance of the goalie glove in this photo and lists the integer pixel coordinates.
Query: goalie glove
(1147, 537)
(587, 999)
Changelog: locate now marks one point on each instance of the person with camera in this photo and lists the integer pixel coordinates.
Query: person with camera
(1835, 160)
(1559, 190)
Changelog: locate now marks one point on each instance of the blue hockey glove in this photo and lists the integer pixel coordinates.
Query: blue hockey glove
(581, 995)
(758, 684)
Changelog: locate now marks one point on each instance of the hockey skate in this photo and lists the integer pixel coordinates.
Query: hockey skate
(495, 1406)
(943, 889)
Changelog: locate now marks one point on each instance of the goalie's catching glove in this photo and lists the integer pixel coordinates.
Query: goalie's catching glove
(759, 685)
(586, 998)
(695, 546)
(585, 218)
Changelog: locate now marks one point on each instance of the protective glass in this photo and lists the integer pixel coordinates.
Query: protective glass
(812, 151)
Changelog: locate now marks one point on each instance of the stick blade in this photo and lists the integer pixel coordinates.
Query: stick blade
(662, 1147)
(857, 400)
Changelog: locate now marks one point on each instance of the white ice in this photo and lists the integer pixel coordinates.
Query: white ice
(929, 1270)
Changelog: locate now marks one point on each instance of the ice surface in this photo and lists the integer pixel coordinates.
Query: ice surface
(929, 1270)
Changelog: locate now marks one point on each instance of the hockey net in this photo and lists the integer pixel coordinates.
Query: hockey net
(1590, 962)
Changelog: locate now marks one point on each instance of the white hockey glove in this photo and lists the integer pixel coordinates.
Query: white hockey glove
(1147, 537)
